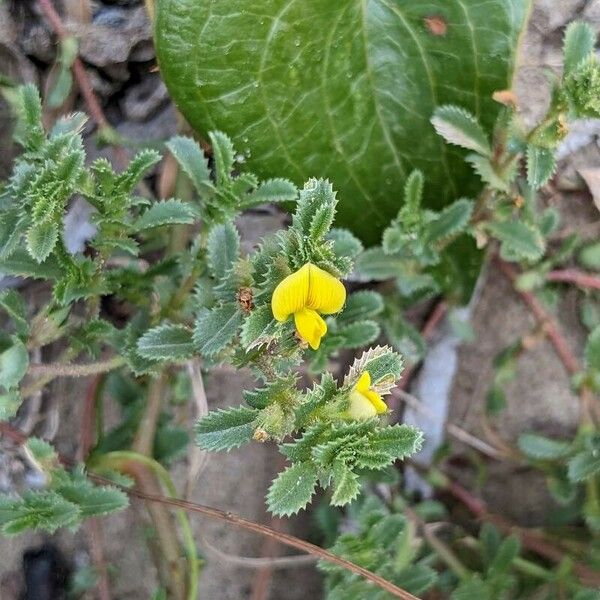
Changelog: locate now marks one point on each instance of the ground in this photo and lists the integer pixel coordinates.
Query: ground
(137, 103)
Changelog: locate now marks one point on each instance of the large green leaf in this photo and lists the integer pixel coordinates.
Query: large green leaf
(342, 90)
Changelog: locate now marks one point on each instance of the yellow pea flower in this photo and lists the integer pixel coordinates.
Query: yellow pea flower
(365, 402)
(304, 294)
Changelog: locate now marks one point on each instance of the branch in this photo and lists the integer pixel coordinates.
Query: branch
(580, 278)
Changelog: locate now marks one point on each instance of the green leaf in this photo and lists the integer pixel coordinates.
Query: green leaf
(14, 362)
(344, 243)
(361, 305)
(46, 510)
(584, 465)
(375, 264)
(13, 304)
(539, 447)
(216, 328)
(223, 154)
(93, 500)
(450, 222)
(259, 328)
(293, 489)
(580, 39)
(484, 168)
(226, 429)
(346, 485)
(589, 257)
(167, 212)
(41, 239)
(592, 349)
(191, 159)
(541, 164)
(358, 334)
(273, 190)
(136, 169)
(413, 191)
(507, 552)
(30, 132)
(9, 404)
(383, 364)
(518, 240)
(223, 249)
(459, 127)
(166, 342)
(343, 90)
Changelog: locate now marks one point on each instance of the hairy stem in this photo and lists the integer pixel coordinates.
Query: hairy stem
(54, 370)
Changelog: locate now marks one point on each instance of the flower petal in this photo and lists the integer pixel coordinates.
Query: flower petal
(291, 294)
(326, 294)
(360, 407)
(310, 326)
(363, 383)
(376, 400)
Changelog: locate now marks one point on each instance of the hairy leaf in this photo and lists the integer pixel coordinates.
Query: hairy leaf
(361, 305)
(167, 212)
(541, 164)
(226, 429)
(540, 447)
(14, 362)
(166, 342)
(216, 328)
(191, 159)
(293, 489)
(579, 43)
(223, 248)
(450, 222)
(459, 127)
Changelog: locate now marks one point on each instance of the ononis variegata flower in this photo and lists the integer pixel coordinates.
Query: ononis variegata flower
(307, 294)
(365, 402)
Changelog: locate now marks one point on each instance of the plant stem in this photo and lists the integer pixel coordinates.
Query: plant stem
(580, 278)
(54, 370)
(144, 438)
(120, 461)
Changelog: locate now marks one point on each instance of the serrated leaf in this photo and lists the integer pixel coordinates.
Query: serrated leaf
(383, 364)
(41, 239)
(539, 447)
(167, 212)
(136, 169)
(293, 489)
(30, 132)
(518, 239)
(272, 190)
(191, 159)
(375, 264)
(93, 500)
(223, 154)
(10, 403)
(223, 249)
(14, 362)
(484, 168)
(450, 222)
(225, 429)
(393, 240)
(259, 328)
(45, 510)
(346, 485)
(507, 552)
(413, 191)
(361, 305)
(541, 164)
(584, 465)
(316, 196)
(579, 43)
(347, 112)
(166, 342)
(459, 127)
(344, 243)
(216, 328)
(321, 222)
(13, 304)
(358, 334)
(592, 350)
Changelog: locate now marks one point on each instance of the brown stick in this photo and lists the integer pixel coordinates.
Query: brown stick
(20, 438)
(580, 278)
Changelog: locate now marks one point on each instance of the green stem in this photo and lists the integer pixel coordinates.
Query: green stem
(117, 460)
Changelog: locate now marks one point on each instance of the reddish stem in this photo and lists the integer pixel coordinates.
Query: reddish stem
(431, 324)
(550, 326)
(580, 278)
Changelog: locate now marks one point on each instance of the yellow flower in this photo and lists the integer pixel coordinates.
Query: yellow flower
(304, 294)
(365, 402)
